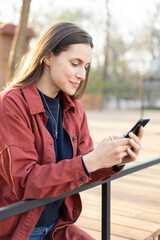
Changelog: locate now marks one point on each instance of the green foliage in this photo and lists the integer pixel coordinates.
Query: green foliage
(96, 85)
(94, 82)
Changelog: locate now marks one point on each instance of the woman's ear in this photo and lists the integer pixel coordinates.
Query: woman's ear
(48, 58)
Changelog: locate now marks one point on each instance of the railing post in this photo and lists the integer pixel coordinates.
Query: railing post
(106, 195)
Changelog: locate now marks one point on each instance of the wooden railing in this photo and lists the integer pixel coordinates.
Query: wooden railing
(24, 206)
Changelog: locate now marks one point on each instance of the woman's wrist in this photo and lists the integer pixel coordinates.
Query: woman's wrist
(84, 167)
(89, 162)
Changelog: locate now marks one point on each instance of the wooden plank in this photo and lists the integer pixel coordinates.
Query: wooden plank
(89, 223)
(142, 178)
(133, 222)
(150, 223)
(122, 207)
(128, 232)
(113, 237)
(121, 219)
(137, 213)
(116, 229)
(146, 193)
(95, 213)
(122, 204)
(154, 236)
(133, 206)
(121, 197)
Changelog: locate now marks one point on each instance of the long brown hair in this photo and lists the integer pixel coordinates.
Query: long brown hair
(56, 39)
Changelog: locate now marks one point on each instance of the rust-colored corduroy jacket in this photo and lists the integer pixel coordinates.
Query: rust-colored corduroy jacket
(28, 168)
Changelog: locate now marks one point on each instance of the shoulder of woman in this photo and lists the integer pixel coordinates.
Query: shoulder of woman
(10, 93)
(11, 99)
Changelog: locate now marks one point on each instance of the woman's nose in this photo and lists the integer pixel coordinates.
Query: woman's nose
(81, 74)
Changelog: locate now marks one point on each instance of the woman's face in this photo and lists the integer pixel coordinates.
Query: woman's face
(67, 70)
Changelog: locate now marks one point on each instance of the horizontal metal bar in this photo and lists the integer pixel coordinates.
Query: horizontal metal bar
(26, 205)
(136, 168)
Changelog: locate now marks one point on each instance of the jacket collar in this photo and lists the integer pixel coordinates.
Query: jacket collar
(67, 102)
(34, 101)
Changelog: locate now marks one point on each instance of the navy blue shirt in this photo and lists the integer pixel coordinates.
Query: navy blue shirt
(63, 150)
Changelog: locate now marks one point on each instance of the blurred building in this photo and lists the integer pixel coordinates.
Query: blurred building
(152, 85)
(6, 36)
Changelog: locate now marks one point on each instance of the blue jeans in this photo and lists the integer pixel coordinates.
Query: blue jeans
(40, 233)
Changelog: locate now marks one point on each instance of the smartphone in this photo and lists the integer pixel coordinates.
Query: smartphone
(135, 128)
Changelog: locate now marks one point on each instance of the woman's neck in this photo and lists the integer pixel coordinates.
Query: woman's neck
(45, 87)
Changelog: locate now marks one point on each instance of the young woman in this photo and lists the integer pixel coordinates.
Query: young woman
(45, 145)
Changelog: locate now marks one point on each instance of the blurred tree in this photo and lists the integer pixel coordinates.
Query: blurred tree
(153, 36)
(118, 80)
(146, 41)
(48, 18)
(18, 44)
(106, 49)
(94, 83)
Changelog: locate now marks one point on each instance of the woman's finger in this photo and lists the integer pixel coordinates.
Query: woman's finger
(134, 137)
(140, 132)
(132, 154)
(136, 146)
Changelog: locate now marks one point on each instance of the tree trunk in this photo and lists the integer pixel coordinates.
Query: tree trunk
(19, 40)
(106, 47)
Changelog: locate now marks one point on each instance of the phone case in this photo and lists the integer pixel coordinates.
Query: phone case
(135, 128)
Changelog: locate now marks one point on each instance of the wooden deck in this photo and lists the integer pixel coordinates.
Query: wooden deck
(135, 202)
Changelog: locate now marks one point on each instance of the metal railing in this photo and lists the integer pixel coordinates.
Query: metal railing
(24, 206)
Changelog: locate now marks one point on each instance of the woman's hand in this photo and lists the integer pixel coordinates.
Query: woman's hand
(108, 153)
(118, 151)
(135, 148)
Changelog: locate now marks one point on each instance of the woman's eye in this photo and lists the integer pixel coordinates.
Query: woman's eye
(74, 64)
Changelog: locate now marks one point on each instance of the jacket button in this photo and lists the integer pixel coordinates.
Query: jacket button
(74, 139)
(82, 179)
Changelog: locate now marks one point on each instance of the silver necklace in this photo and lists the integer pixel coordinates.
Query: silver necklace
(56, 122)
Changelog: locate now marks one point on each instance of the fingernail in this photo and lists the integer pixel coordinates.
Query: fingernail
(132, 141)
(142, 127)
(131, 134)
(129, 150)
(121, 136)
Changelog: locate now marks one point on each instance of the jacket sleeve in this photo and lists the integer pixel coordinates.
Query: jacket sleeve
(19, 167)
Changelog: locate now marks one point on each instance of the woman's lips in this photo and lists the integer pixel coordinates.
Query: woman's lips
(75, 84)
